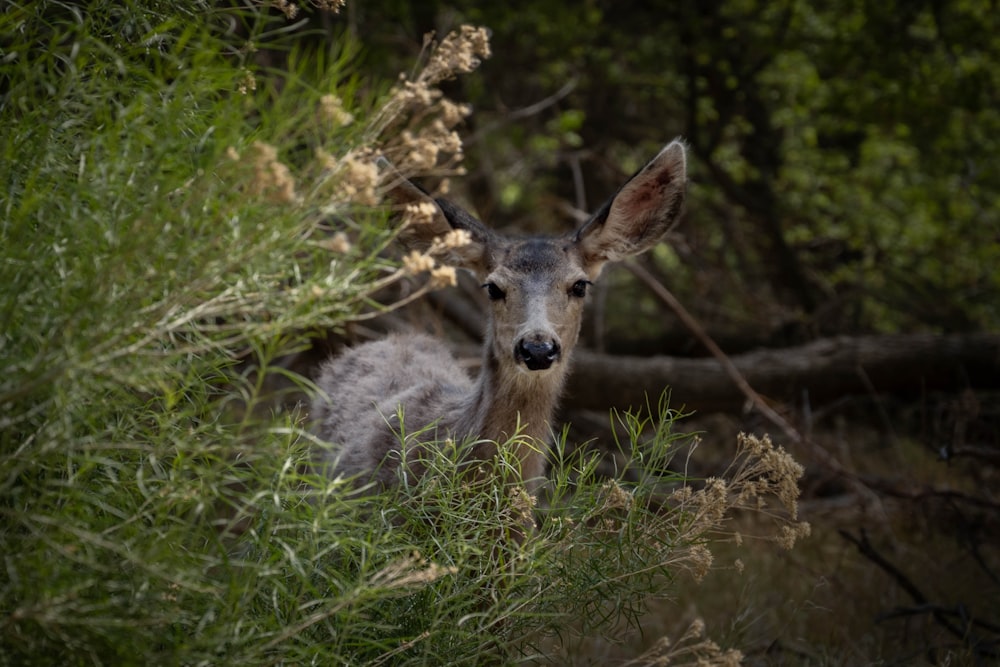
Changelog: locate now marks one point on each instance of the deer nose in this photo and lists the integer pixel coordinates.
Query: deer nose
(537, 355)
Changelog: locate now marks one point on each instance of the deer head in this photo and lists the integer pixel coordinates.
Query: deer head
(537, 286)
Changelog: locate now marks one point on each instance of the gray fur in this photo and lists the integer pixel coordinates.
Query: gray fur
(364, 390)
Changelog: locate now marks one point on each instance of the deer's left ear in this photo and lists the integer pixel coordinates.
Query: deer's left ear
(641, 212)
(442, 217)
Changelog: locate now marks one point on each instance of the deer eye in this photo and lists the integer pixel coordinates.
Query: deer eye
(494, 292)
(579, 289)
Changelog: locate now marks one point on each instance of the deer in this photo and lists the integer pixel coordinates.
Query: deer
(373, 394)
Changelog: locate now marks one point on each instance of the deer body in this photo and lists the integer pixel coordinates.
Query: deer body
(536, 287)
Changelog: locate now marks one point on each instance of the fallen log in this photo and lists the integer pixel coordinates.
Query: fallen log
(906, 364)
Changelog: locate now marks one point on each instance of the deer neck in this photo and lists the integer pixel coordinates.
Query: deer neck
(506, 399)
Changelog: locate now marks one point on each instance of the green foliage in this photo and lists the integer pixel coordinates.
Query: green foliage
(156, 259)
(843, 157)
(138, 269)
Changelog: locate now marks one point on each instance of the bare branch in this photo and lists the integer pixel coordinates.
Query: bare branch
(979, 645)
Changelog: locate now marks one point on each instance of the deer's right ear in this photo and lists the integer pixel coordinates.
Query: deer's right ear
(427, 222)
(641, 212)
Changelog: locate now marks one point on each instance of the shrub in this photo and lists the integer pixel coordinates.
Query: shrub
(173, 217)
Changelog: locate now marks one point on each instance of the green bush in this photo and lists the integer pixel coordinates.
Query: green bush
(170, 220)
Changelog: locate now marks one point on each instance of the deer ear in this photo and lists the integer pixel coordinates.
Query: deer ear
(437, 218)
(641, 212)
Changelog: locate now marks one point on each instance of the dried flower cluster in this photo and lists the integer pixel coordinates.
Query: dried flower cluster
(413, 570)
(611, 508)
(291, 10)
(247, 84)
(679, 539)
(425, 149)
(416, 262)
(456, 238)
(417, 127)
(421, 213)
(354, 176)
(443, 276)
(271, 177)
(691, 649)
(697, 559)
(522, 505)
(760, 471)
(614, 497)
(458, 53)
(417, 122)
(331, 110)
(414, 129)
(338, 243)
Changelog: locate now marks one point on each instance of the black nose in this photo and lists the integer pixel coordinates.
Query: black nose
(537, 356)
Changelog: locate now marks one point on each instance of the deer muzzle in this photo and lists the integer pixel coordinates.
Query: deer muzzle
(537, 355)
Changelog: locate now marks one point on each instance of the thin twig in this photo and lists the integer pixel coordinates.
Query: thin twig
(524, 112)
(930, 608)
(965, 634)
(693, 325)
(402, 648)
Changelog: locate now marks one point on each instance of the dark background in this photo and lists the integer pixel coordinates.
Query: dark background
(840, 247)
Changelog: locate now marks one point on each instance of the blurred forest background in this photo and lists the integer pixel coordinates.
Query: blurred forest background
(841, 247)
(844, 156)
(835, 280)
